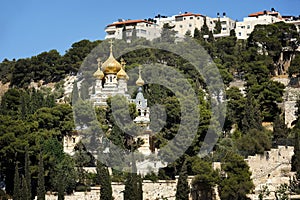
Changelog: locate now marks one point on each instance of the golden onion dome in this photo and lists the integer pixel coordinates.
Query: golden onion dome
(98, 74)
(140, 82)
(122, 74)
(111, 65)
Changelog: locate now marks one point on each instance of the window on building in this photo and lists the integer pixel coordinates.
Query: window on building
(184, 18)
(248, 27)
(224, 29)
(178, 19)
(240, 34)
(242, 27)
(180, 26)
(190, 25)
(191, 17)
(74, 140)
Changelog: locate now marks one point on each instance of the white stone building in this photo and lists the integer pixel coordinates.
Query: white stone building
(182, 23)
(227, 24)
(144, 29)
(189, 21)
(244, 29)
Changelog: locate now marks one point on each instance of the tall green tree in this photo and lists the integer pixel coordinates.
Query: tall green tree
(124, 33)
(204, 180)
(294, 68)
(280, 130)
(17, 184)
(24, 189)
(236, 182)
(204, 28)
(218, 27)
(139, 187)
(27, 175)
(41, 191)
(182, 189)
(252, 117)
(105, 182)
(197, 34)
(168, 33)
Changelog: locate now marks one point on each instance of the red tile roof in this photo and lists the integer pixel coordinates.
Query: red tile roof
(189, 14)
(262, 13)
(129, 22)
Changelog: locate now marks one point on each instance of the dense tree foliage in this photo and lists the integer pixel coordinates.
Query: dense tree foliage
(236, 182)
(32, 125)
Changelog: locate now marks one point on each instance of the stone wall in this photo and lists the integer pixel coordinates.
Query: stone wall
(151, 191)
(271, 169)
(268, 170)
(290, 97)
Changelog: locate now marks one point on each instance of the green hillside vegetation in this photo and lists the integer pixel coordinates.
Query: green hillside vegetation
(32, 124)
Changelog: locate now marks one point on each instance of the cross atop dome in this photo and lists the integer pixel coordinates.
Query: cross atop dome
(111, 42)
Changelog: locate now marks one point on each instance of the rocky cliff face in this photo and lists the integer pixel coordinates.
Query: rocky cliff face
(3, 88)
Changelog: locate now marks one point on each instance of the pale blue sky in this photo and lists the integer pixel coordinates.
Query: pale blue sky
(33, 26)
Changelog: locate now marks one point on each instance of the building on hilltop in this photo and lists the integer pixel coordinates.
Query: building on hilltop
(245, 28)
(129, 28)
(227, 24)
(189, 21)
(151, 28)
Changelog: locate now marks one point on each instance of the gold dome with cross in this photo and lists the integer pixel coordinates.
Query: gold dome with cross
(111, 65)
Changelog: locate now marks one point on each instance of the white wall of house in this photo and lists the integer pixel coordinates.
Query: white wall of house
(245, 28)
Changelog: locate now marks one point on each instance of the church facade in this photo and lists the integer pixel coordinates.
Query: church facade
(111, 79)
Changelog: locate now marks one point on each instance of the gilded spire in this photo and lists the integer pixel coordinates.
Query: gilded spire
(122, 74)
(99, 74)
(140, 82)
(111, 46)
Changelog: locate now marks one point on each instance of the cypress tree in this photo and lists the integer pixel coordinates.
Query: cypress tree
(131, 185)
(23, 106)
(124, 36)
(105, 182)
(75, 93)
(41, 180)
(134, 34)
(17, 184)
(280, 130)
(24, 189)
(183, 190)
(252, 116)
(204, 28)
(139, 188)
(218, 27)
(27, 175)
(84, 90)
(197, 34)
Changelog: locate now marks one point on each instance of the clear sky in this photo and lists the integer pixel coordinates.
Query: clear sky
(29, 27)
